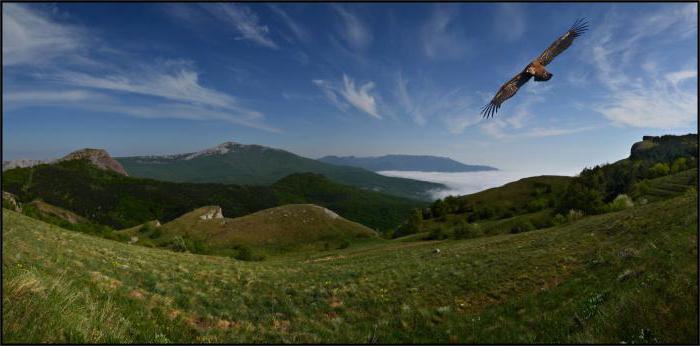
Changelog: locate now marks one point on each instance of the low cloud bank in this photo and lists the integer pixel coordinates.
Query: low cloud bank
(468, 182)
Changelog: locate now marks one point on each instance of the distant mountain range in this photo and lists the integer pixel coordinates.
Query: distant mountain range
(235, 163)
(97, 157)
(421, 163)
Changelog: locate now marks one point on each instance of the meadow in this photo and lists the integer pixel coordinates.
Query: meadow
(627, 276)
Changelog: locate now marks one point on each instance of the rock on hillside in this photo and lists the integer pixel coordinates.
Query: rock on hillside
(9, 201)
(21, 163)
(98, 157)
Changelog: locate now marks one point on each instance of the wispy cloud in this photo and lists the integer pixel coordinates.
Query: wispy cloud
(244, 21)
(359, 97)
(297, 29)
(423, 102)
(169, 86)
(31, 38)
(441, 36)
(354, 31)
(655, 98)
(510, 21)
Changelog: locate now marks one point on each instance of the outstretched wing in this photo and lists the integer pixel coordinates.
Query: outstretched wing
(505, 92)
(562, 43)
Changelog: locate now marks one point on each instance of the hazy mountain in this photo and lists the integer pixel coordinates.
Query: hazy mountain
(234, 163)
(421, 163)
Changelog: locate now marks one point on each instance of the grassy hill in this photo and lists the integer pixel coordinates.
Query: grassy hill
(293, 226)
(234, 163)
(628, 276)
(119, 201)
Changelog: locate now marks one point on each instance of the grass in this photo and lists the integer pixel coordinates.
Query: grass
(628, 276)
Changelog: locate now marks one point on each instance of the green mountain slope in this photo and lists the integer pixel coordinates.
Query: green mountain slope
(119, 201)
(234, 163)
(629, 276)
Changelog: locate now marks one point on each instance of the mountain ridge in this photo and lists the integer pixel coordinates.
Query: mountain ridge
(401, 162)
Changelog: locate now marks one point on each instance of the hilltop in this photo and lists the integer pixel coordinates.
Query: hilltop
(243, 164)
(98, 157)
(421, 163)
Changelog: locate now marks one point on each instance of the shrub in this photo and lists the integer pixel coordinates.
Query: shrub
(467, 230)
(436, 234)
(245, 253)
(344, 244)
(659, 170)
(621, 202)
(522, 226)
(574, 215)
(559, 219)
(679, 164)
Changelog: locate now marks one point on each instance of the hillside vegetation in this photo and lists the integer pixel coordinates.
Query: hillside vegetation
(280, 229)
(628, 276)
(118, 201)
(233, 163)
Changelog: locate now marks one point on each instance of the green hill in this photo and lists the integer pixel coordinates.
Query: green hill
(293, 226)
(234, 163)
(629, 276)
(112, 199)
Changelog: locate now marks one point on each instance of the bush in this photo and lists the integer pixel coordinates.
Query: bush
(621, 202)
(245, 253)
(559, 219)
(436, 234)
(679, 164)
(344, 244)
(467, 230)
(659, 170)
(522, 226)
(574, 215)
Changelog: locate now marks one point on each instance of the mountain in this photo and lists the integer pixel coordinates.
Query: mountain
(290, 226)
(234, 163)
(110, 198)
(421, 163)
(99, 157)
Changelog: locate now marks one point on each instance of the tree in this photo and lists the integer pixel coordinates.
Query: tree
(580, 197)
(659, 169)
(679, 164)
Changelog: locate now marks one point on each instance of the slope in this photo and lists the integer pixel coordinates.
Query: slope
(603, 279)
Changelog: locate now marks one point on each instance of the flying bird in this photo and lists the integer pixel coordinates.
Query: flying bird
(535, 68)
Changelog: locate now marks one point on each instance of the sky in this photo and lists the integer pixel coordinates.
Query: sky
(346, 79)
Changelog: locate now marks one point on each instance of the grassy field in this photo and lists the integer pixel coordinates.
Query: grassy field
(628, 276)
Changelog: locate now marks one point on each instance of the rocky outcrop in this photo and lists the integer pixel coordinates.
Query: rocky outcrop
(21, 163)
(98, 157)
(9, 201)
(212, 213)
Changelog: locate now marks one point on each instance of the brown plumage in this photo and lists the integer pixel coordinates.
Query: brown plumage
(535, 68)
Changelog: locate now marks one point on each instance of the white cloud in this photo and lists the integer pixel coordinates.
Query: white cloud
(30, 38)
(424, 102)
(510, 21)
(360, 98)
(12, 98)
(355, 32)
(654, 98)
(301, 34)
(244, 21)
(441, 37)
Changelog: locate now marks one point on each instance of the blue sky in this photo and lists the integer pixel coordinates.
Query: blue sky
(346, 79)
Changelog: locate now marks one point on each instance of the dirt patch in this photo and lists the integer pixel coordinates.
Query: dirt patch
(137, 294)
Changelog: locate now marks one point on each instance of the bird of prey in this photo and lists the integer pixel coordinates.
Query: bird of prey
(535, 68)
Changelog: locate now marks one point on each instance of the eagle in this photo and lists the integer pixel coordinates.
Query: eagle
(535, 68)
